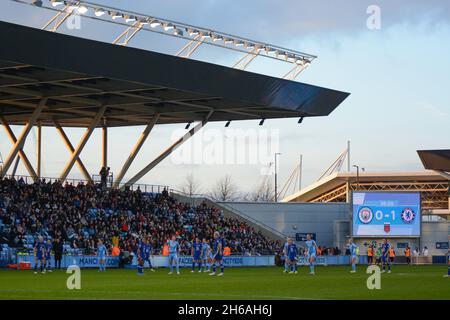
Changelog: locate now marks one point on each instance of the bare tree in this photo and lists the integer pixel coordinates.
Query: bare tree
(225, 189)
(190, 185)
(264, 192)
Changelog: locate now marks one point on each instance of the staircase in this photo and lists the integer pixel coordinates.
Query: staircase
(229, 211)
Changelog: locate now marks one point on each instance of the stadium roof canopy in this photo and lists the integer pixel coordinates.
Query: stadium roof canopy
(79, 77)
(435, 159)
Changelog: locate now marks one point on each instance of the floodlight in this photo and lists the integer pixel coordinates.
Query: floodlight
(99, 12)
(168, 26)
(178, 32)
(155, 23)
(82, 9)
(56, 3)
(129, 19)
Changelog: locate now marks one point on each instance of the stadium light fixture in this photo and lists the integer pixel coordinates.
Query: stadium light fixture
(192, 32)
(115, 15)
(143, 21)
(72, 6)
(56, 3)
(250, 46)
(99, 12)
(129, 19)
(178, 32)
(168, 26)
(206, 35)
(37, 3)
(227, 124)
(291, 56)
(188, 32)
(82, 9)
(262, 121)
(155, 23)
(281, 54)
(217, 38)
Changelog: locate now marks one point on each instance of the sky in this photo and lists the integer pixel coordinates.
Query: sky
(398, 76)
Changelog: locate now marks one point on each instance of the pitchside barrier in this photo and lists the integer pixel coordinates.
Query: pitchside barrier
(186, 261)
(232, 261)
(157, 261)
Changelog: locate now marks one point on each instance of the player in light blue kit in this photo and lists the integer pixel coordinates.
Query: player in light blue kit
(101, 253)
(285, 254)
(385, 255)
(173, 254)
(353, 254)
(311, 250)
(206, 255)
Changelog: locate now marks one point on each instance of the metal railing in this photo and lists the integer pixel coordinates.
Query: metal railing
(147, 188)
(30, 180)
(253, 220)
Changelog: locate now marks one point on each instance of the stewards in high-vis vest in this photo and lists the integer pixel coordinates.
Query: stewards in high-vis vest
(166, 250)
(370, 255)
(391, 254)
(408, 255)
(115, 251)
(227, 251)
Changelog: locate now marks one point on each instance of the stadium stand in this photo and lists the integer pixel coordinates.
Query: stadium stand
(81, 214)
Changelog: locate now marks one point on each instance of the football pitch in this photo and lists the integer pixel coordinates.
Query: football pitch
(332, 282)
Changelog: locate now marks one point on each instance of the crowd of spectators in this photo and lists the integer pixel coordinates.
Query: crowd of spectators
(81, 214)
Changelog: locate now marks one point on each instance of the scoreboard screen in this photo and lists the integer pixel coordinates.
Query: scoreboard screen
(386, 214)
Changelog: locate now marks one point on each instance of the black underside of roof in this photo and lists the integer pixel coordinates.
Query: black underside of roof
(78, 76)
(435, 159)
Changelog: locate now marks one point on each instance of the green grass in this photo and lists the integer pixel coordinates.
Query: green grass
(333, 282)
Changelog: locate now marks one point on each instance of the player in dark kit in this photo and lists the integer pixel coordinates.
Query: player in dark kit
(196, 252)
(48, 257)
(292, 253)
(148, 254)
(141, 255)
(39, 255)
(385, 247)
(218, 254)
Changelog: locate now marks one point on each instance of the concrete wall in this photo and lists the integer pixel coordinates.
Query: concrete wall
(330, 221)
(229, 211)
(292, 218)
(433, 232)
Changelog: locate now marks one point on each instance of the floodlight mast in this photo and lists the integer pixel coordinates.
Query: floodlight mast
(197, 36)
